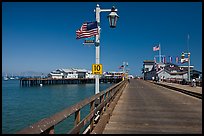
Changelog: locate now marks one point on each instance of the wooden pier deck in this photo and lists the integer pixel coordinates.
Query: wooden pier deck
(51, 81)
(146, 108)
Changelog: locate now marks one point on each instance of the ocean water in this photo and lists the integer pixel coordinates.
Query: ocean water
(23, 106)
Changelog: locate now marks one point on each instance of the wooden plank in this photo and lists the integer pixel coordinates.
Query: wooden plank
(152, 109)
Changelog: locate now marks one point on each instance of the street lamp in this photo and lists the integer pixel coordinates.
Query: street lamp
(113, 17)
(112, 20)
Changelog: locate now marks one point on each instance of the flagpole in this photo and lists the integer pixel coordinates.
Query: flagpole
(189, 74)
(97, 45)
(123, 70)
(159, 53)
(98, 10)
(188, 42)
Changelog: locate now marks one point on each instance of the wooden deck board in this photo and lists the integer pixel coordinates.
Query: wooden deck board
(144, 108)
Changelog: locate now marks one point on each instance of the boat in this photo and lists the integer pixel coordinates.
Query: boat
(12, 78)
(6, 78)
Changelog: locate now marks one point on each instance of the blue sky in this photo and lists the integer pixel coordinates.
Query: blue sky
(41, 36)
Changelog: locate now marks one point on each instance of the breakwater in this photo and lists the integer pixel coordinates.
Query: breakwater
(51, 81)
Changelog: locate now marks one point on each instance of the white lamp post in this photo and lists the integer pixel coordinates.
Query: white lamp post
(125, 64)
(183, 59)
(112, 20)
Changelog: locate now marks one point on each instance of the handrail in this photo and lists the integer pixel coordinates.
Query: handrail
(194, 94)
(46, 125)
(183, 82)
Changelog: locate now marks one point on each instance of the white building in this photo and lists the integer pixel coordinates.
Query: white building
(74, 73)
(71, 73)
(112, 74)
(56, 74)
(89, 74)
(164, 71)
(148, 69)
(165, 74)
(148, 65)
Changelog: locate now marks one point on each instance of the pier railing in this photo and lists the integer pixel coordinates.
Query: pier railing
(98, 104)
(183, 82)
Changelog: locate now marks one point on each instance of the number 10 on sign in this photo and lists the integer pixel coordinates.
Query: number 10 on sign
(97, 69)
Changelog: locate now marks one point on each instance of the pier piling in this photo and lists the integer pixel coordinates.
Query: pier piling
(49, 81)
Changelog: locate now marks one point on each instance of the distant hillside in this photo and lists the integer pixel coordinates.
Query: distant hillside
(26, 73)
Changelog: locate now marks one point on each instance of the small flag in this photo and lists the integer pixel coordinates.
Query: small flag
(121, 67)
(177, 59)
(164, 59)
(88, 29)
(156, 48)
(170, 59)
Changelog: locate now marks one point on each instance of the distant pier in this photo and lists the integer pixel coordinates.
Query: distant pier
(51, 81)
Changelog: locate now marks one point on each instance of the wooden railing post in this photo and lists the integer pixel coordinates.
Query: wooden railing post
(102, 100)
(49, 131)
(77, 117)
(52, 131)
(92, 119)
(107, 104)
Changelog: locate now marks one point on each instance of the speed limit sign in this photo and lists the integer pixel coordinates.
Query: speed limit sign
(97, 69)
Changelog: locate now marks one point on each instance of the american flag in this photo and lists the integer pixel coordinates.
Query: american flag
(155, 48)
(88, 29)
